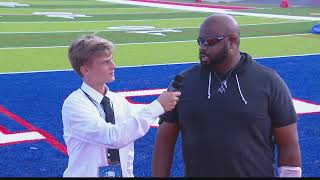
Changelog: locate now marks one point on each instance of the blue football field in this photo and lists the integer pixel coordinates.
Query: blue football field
(31, 128)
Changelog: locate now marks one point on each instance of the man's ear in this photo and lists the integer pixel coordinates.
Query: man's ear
(83, 70)
(234, 42)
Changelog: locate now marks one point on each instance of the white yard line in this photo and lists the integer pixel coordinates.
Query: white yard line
(166, 42)
(64, 70)
(138, 20)
(112, 30)
(203, 9)
(20, 137)
(98, 13)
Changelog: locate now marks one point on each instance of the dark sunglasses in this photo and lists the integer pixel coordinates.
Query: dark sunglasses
(209, 41)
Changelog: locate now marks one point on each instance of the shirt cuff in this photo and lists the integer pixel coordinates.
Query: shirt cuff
(156, 108)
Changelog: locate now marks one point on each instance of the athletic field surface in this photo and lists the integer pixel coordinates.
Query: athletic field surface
(155, 40)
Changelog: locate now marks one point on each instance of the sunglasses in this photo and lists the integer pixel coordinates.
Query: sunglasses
(209, 41)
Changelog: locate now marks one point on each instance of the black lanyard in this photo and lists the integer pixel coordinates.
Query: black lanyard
(92, 100)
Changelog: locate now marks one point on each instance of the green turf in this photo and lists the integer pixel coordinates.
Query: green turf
(23, 11)
(69, 4)
(52, 7)
(51, 32)
(295, 11)
(64, 39)
(282, 46)
(103, 25)
(268, 8)
(62, 2)
(102, 17)
(224, 3)
(19, 60)
(33, 59)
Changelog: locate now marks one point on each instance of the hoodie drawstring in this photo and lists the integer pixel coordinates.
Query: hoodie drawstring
(244, 100)
(239, 88)
(209, 86)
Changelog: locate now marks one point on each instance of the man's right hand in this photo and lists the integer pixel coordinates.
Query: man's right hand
(168, 100)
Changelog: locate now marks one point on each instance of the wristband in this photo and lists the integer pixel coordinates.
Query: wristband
(289, 171)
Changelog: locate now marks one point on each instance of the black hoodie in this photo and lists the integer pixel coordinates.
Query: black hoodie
(227, 133)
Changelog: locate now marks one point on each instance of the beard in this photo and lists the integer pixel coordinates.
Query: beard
(219, 58)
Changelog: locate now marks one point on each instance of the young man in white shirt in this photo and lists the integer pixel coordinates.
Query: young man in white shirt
(86, 133)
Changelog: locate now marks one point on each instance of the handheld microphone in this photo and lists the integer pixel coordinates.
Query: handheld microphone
(176, 83)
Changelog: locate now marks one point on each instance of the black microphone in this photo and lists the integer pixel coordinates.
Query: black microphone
(176, 83)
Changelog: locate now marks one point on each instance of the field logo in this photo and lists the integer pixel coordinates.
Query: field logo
(144, 30)
(12, 4)
(67, 15)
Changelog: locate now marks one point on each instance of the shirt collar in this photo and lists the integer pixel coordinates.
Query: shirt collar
(95, 95)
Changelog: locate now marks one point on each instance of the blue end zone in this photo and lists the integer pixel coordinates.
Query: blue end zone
(36, 159)
(301, 73)
(38, 97)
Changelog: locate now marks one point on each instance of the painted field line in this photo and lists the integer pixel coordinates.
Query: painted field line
(115, 30)
(20, 137)
(301, 106)
(47, 136)
(122, 20)
(133, 20)
(104, 8)
(173, 12)
(202, 9)
(161, 42)
(148, 65)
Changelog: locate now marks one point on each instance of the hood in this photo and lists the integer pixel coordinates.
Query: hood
(245, 60)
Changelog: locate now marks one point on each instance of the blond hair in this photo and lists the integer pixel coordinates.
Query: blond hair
(84, 48)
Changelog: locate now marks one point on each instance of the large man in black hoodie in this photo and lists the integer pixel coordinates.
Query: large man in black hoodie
(232, 114)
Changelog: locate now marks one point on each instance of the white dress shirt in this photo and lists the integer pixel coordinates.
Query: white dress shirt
(87, 134)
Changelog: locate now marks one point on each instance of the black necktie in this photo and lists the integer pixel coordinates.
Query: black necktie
(113, 154)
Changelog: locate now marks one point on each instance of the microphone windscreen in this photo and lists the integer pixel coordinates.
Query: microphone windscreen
(176, 84)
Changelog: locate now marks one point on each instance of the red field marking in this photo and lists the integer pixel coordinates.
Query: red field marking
(48, 137)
